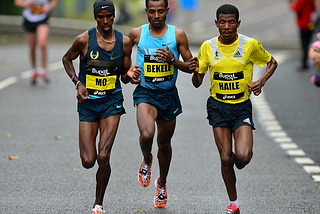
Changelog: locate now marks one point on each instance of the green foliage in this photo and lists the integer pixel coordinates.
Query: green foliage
(7, 7)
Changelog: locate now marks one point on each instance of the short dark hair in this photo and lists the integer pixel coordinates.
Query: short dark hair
(165, 2)
(228, 9)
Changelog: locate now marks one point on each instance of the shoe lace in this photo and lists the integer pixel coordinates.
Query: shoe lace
(145, 171)
(231, 211)
(161, 194)
(98, 210)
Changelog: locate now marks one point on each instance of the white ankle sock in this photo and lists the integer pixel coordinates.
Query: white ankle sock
(236, 202)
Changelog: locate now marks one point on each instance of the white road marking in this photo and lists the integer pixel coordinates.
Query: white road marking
(9, 81)
(274, 129)
(27, 74)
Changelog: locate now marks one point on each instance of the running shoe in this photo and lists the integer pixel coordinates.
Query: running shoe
(34, 78)
(232, 209)
(238, 164)
(144, 175)
(98, 209)
(45, 76)
(160, 200)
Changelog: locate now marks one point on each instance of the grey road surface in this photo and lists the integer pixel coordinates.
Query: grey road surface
(40, 126)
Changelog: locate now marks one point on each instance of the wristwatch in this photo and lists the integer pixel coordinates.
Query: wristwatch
(172, 61)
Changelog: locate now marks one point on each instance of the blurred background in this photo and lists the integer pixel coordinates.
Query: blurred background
(272, 22)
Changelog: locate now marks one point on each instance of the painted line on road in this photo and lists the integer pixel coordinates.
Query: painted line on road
(9, 81)
(275, 131)
(27, 74)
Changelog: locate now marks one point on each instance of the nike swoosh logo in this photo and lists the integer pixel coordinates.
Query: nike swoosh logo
(176, 111)
(166, 44)
(119, 106)
(104, 7)
(113, 58)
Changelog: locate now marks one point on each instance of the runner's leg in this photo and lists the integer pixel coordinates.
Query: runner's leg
(146, 116)
(87, 143)
(108, 130)
(165, 133)
(243, 144)
(223, 139)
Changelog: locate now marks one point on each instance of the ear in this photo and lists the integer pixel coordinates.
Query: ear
(239, 23)
(217, 24)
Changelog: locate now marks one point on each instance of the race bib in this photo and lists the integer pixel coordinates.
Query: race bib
(156, 70)
(100, 82)
(229, 86)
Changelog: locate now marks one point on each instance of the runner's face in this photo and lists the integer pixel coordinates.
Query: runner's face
(228, 25)
(105, 20)
(157, 13)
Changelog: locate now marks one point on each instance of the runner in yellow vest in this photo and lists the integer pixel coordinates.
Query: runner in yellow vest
(230, 58)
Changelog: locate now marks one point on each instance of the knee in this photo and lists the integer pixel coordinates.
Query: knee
(103, 159)
(146, 136)
(165, 148)
(87, 162)
(226, 160)
(244, 157)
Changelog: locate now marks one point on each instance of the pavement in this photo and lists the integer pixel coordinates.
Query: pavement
(39, 125)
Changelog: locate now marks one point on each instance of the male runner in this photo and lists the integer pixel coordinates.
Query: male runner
(230, 58)
(105, 55)
(156, 96)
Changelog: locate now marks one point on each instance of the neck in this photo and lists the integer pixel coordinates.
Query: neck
(158, 29)
(228, 42)
(102, 36)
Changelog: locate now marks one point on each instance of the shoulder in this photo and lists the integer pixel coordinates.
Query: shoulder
(180, 32)
(82, 39)
(134, 32)
(134, 35)
(126, 40)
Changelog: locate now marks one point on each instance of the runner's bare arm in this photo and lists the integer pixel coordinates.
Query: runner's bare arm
(128, 72)
(256, 86)
(183, 49)
(194, 67)
(78, 48)
(134, 35)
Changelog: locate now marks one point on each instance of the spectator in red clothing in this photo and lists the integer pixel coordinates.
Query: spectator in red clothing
(304, 10)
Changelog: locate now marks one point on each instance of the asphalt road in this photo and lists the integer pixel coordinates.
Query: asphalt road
(40, 126)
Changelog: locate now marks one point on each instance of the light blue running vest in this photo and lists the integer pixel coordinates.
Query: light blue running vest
(146, 59)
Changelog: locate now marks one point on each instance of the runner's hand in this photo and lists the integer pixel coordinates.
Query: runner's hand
(256, 87)
(80, 92)
(134, 73)
(194, 65)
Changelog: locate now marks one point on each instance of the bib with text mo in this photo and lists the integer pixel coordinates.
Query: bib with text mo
(100, 82)
(229, 86)
(156, 70)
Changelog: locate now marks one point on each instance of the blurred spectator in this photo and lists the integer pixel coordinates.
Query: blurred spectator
(172, 9)
(36, 14)
(314, 54)
(304, 10)
(124, 13)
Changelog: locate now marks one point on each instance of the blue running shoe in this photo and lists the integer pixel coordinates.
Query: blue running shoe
(238, 164)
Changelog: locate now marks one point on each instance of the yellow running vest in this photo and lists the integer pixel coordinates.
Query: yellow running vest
(231, 67)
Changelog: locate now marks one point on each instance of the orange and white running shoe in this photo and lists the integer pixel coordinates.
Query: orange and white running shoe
(144, 174)
(98, 209)
(233, 209)
(160, 200)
